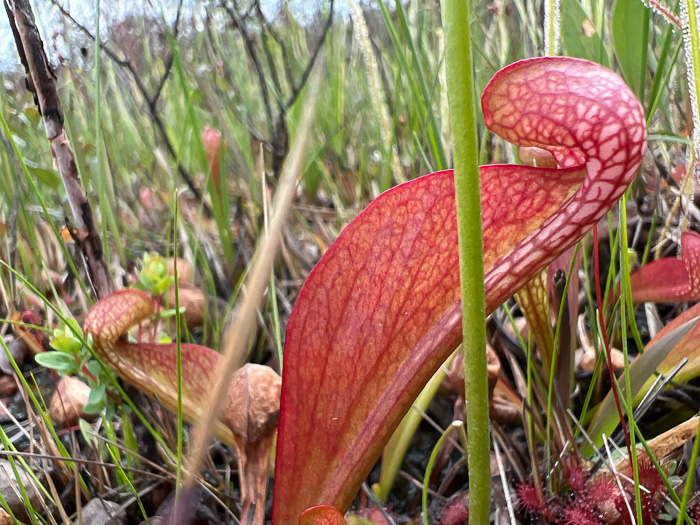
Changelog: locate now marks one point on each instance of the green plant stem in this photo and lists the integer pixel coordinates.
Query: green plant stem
(626, 294)
(689, 478)
(694, 39)
(178, 330)
(431, 463)
(460, 90)
(551, 33)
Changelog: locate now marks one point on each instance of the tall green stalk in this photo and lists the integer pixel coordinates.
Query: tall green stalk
(460, 91)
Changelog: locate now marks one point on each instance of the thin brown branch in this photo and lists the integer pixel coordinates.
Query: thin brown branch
(250, 48)
(151, 100)
(271, 65)
(305, 75)
(42, 83)
(244, 118)
(286, 60)
(107, 50)
(170, 59)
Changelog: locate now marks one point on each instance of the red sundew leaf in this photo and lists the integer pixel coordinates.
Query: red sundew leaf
(670, 279)
(531, 498)
(322, 515)
(381, 310)
(152, 366)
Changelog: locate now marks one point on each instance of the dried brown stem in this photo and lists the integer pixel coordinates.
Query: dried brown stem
(238, 332)
(42, 83)
(278, 143)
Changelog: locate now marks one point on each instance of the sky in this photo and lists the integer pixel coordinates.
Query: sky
(49, 17)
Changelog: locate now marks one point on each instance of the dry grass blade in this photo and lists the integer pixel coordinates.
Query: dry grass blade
(669, 441)
(238, 332)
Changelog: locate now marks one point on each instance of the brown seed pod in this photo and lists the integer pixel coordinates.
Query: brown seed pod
(252, 415)
(68, 402)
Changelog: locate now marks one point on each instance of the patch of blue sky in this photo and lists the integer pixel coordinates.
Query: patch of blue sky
(50, 20)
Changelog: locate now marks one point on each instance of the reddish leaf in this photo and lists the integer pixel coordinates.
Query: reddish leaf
(676, 340)
(670, 279)
(381, 310)
(322, 515)
(687, 347)
(211, 138)
(152, 366)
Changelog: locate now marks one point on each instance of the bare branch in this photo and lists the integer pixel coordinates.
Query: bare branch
(151, 101)
(42, 83)
(305, 76)
(169, 60)
(268, 55)
(286, 62)
(124, 62)
(250, 47)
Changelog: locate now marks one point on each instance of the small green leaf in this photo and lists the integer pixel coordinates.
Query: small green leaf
(154, 274)
(162, 285)
(98, 395)
(86, 431)
(92, 408)
(69, 345)
(94, 367)
(57, 360)
(46, 177)
(33, 115)
(110, 411)
(73, 326)
(170, 312)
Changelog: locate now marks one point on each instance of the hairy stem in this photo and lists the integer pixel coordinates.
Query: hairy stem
(460, 90)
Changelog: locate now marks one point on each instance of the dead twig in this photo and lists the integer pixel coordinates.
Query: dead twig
(151, 100)
(238, 332)
(41, 81)
(256, 44)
